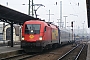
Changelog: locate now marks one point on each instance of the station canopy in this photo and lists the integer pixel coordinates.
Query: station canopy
(9, 15)
(88, 11)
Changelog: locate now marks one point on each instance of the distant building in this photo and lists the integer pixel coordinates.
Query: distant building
(7, 32)
(1, 28)
(1, 31)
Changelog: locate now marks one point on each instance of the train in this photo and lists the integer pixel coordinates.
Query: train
(38, 35)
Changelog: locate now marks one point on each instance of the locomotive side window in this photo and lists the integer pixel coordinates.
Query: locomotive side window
(32, 28)
(45, 29)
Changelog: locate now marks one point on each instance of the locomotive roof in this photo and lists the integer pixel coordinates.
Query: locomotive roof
(43, 21)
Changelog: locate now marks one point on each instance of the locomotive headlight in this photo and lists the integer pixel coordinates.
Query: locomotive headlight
(22, 38)
(40, 38)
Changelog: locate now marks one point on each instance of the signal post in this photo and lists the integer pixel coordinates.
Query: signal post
(72, 29)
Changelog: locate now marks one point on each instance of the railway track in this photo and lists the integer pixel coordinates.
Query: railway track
(74, 53)
(52, 55)
(19, 56)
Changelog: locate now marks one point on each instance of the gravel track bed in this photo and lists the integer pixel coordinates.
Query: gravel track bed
(52, 55)
(83, 54)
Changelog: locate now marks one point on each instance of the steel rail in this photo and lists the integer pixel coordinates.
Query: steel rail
(79, 53)
(27, 57)
(67, 52)
(13, 56)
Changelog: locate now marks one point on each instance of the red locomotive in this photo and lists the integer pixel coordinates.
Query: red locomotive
(38, 35)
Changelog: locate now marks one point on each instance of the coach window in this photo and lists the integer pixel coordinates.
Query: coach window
(45, 29)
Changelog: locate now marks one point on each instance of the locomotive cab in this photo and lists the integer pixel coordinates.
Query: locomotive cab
(32, 32)
(34, 35)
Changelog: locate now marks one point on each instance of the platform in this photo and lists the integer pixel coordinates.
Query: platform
(7, 50)
(88, 51)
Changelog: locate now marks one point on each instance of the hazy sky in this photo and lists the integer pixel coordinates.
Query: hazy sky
(74, 9)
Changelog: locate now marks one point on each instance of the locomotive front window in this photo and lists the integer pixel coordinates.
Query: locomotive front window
(32, 29)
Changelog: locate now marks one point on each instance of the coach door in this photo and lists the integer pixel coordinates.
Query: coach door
(8, 33)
